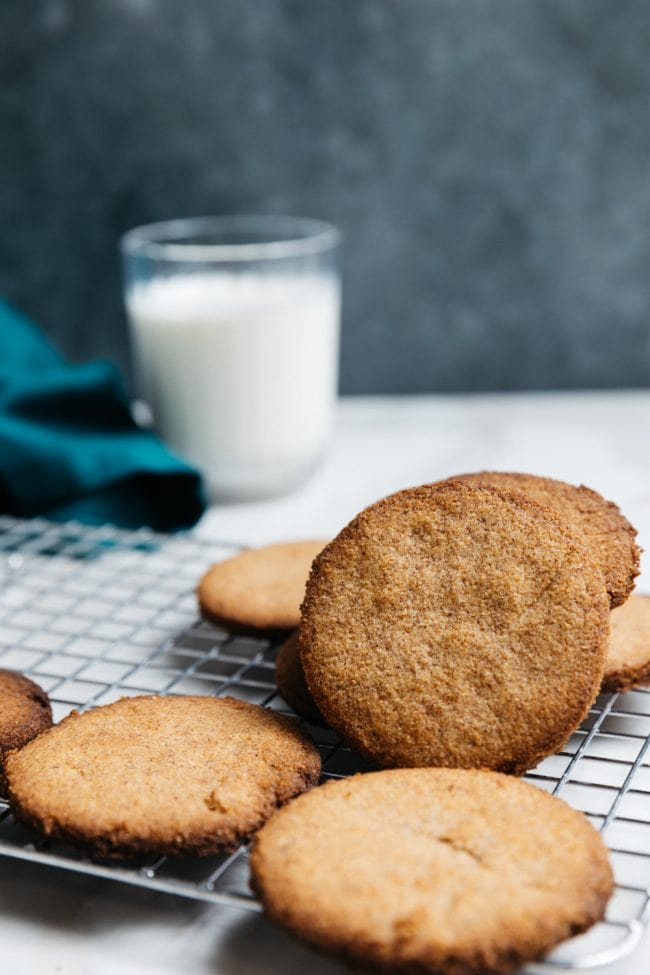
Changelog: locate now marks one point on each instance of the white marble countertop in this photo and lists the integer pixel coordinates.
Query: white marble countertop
(67, 924)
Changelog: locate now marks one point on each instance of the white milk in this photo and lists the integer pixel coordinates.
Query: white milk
(240, 371)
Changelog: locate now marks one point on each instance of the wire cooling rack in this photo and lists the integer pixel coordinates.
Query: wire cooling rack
(94, 614)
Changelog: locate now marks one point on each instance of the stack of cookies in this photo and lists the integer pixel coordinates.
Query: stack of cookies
(452, 628)
(451, 633)
(465, 623)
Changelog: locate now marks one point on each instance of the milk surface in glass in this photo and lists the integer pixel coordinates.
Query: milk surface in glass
(240, 370)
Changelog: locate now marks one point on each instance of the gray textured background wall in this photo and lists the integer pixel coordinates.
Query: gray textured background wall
(488, 161)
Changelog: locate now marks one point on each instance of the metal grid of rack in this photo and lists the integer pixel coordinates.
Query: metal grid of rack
(94, 614)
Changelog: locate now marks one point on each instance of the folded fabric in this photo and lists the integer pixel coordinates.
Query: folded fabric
(69, 447)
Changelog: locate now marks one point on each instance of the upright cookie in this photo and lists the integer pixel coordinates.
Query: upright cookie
(290, 678)
(259, 588)
(455, 625)
(628, 653)
(608, 535)
(160, 775)
(436, 870)
(24, 712)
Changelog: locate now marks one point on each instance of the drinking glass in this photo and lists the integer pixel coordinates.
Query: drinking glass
(234, 323)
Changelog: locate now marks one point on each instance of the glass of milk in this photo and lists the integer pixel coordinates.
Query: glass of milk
(235, 328)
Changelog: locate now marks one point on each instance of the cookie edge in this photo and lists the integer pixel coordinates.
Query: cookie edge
(39, 721)
(618, 593)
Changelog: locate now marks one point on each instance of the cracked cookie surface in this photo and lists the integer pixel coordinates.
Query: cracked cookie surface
(455, 625)
(24, 712)
(260, 588)
(160, 775)
(607, 533)
(436, 870)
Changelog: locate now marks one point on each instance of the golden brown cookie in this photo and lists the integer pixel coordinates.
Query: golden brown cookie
(259, 588)
(160, 775)
(24, 712)
(628, 653)
(435, 870)
(455, 625)
(290, 678)
(608, 535)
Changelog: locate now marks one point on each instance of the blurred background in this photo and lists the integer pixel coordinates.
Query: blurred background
(488, 163)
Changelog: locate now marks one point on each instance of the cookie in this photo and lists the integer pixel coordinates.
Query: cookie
(432, 870)
(608, 535)
(259, 589)
(290, 678)
(24, 712)
(160, 775)
(628, 653)
(455, 625)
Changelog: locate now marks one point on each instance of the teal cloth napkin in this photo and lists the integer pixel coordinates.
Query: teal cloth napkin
(69, 447)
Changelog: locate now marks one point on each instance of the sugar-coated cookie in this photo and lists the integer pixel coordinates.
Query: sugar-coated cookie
(455, 625)
(160, 775)
(260, 588)
(457, 872)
